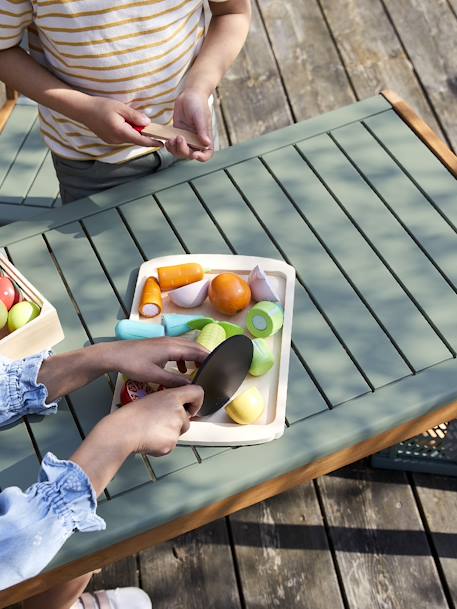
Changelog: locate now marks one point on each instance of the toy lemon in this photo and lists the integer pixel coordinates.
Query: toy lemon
(247, 407)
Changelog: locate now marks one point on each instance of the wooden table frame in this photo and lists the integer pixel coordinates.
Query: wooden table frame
(272, 487)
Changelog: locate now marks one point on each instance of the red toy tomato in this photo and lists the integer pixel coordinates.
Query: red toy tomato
(7, 292)
(134, 390)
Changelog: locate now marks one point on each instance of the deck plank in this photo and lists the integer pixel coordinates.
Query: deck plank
(372, 53)
(45, 186)
(193, 571)
(306, 54)
(381, 547)
(434, 59)
(283, 554)
(12, 137)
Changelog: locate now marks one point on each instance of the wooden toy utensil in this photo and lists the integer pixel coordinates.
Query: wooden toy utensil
(166, 132)
(223, 371)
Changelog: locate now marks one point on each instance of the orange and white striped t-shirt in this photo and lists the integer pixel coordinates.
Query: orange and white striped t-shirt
(136, 51)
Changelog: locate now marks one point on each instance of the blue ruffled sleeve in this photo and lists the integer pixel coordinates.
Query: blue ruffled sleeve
(35, 524)
(20, 393)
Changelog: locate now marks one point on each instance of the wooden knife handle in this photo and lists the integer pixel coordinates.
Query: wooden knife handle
(166, 132)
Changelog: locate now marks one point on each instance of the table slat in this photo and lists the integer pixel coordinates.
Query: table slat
(12, 138)
(405, 323)
(361, 333)
(45, 186)
(367, 211)
(19, 463)
(318, 345)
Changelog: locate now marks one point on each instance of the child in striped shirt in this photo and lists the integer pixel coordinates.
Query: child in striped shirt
(96, 68)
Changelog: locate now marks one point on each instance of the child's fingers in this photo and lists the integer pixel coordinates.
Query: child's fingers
(203, 155)
(169, 379)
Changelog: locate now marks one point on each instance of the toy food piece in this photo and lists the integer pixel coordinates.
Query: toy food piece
(128, 329)
(263, 358)
(265, 319)
(211, 336)
(229, 293)
(231, 329)
(247, 407)
(176, 325)
(192, 295)
(7, 292)
(17, 295)
(261, 288)
(134, 390)
(172, 277)
(151, 299)
(21, 313)
(3, 315)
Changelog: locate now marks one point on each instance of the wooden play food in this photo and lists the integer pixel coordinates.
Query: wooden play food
(21, 314)
(260, 285)
(229, 293)
(134, 390)
(3, 315)
(247, 407)
(128, 329)
(172, 277)
(211, 336)
(191, 295)
(265, 319)
(7, 292)
(262, 359)
(151, 299)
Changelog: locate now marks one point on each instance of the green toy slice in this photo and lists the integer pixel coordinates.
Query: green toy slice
(231, 329)
(199, 324)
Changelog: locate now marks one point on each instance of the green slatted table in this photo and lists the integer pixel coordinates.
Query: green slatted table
(363, 202)
(28, 184)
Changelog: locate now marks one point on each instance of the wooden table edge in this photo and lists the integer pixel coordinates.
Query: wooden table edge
(5, 112)
(422, 130)
(227, 506)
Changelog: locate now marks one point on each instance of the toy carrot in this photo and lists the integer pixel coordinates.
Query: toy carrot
(171, 277)
(151, 299)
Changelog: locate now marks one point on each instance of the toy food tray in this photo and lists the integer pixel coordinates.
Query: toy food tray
(39, 334)
(218, 429)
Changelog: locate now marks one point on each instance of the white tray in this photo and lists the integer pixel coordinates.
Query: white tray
(218, 429)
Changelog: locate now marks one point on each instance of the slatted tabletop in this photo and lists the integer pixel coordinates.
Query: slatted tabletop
(367, 215)
(28, 183)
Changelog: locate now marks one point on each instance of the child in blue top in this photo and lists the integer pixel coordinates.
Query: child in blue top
(36, 522)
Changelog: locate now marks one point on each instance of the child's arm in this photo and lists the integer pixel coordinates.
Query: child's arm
(226, 35)
(104, 117)
(34, 524)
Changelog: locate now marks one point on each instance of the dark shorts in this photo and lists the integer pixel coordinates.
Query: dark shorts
(78, 179)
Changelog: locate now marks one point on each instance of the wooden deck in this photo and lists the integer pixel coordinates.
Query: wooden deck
(358, 538)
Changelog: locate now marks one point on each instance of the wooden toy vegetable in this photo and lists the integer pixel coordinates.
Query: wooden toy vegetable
(247, 407)
(3, 315)
(129, 329)
(7, 292)
(229, 293)
(191, 295)
(134, 390)
(22, 313)
(172, 277)
(211, 336)
(261, 287)
(151, 299)
(265, 319)
(262, 359)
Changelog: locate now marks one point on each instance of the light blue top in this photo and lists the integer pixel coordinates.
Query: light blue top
(35, 523)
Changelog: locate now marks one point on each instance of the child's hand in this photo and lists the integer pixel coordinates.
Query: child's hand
(157, 421)
(192, 113)
(109, 120)
(144, 360)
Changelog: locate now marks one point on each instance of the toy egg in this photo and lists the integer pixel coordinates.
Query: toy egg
(191, 295)
(247, 407)
(262, 359)
(261, 288)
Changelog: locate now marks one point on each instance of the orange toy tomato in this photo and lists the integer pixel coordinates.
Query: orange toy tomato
(229, 293)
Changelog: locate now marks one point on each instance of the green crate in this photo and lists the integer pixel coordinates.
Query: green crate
(433, 452)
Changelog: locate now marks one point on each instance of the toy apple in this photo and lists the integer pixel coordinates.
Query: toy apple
(229, 293)
(17, 296)
(7, 292)
(3, 315)
(21, 313)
